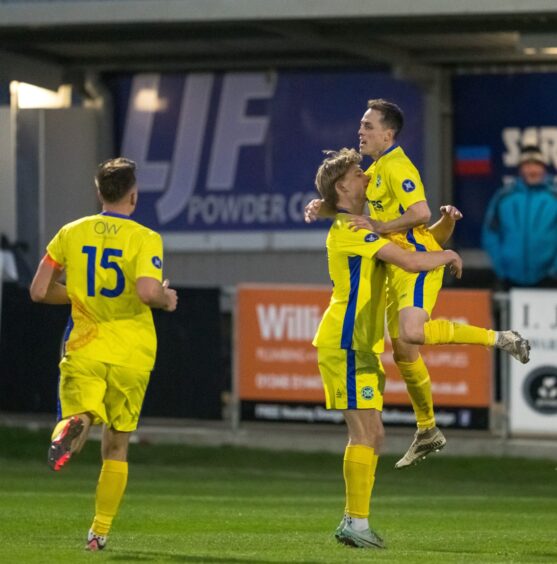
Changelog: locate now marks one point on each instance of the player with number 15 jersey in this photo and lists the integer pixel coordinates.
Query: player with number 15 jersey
(113, 270)
(103, 256)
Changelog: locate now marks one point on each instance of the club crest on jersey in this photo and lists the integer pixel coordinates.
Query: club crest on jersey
(370, 237)
(408, 185)
(367, 393)
(157, 262)
(378, 181)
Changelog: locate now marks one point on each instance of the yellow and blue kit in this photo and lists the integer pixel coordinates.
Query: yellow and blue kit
(349, 338)
(103, 256)
(395, 185)
(111, 342)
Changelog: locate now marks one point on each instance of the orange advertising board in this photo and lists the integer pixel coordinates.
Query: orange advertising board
(275, 360)
(274, 327)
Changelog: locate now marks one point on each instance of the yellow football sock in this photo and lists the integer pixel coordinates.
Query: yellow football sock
(359, 476)
(418, 384)
(110, 490)
(441, 331)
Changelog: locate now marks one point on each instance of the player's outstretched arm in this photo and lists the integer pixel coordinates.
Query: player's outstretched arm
(154, 294)
(317, 209)
(416, 214)
(419, 262)
(444, 227)
(45, 287)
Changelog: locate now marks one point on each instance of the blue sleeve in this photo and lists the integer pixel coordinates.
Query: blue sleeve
(491, 236)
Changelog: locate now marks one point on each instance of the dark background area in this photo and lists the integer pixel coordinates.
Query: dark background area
(189, 375)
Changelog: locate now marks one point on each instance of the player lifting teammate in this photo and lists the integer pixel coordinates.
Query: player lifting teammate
(350, 336)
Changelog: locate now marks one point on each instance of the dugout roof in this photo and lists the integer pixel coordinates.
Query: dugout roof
(51, 41)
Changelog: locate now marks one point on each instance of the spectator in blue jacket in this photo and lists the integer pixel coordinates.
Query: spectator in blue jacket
(520, 226)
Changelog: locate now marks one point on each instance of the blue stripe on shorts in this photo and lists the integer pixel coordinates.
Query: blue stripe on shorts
(351, 378)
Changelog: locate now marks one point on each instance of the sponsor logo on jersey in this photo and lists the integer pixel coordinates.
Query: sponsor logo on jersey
(367, 393)
(408, 185)
(157, 262)
(371, 237)
(376, 204)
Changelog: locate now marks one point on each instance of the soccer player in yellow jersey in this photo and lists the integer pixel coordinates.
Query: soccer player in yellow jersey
(113, 269)
(399, 211)
(349, 338)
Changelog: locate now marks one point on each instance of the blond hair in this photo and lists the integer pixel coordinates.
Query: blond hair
(335, 165)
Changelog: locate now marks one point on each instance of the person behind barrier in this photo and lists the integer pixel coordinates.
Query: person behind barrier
(520, 226)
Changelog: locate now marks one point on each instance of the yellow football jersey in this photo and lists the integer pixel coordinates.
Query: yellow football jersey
(355, 318)
(395, 185)
(103, 256)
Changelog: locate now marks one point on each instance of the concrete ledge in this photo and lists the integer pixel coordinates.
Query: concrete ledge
(299, 437)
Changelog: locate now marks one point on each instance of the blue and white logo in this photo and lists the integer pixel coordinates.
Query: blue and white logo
(371, 237)
(157, 262)
(408, 185)
(367, 393)
(378, 181)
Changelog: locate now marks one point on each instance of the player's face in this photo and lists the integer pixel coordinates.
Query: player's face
(374, 137)
(532, 172)
(355, 183)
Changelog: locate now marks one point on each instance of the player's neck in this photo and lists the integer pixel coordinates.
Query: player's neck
(118, 210)
(386, 149)
(355, 207)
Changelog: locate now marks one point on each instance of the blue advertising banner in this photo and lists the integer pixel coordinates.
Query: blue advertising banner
(230, 153)
(494, 117)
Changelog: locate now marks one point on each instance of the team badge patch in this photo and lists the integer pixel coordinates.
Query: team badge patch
(367, 393)
(157, 262)
(370, 237)
(408, 185)
(378, 181)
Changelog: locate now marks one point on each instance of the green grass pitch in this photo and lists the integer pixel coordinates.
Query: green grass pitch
(221, 505)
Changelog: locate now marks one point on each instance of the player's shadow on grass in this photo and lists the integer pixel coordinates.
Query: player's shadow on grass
(144, 556)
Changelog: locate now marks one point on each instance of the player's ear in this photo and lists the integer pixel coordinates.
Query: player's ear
(133, 197)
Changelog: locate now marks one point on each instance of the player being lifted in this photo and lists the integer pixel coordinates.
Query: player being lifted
(399, 211)
(113, 268)
(350, 336)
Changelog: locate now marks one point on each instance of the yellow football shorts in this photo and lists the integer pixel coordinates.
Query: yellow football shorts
(351, 379)
(410, 289)
(111, 394)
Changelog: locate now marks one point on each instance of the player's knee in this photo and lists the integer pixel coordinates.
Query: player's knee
(412, 333)
(115, 452)
(379, 437)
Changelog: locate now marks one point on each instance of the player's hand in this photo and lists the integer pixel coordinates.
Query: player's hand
(455, 265)
(171, 296)
(358, 222)
(451, 212)
(311, 211)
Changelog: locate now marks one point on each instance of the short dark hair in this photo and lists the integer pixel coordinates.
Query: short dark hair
(335, 165)
(391, 115)
(115, 178)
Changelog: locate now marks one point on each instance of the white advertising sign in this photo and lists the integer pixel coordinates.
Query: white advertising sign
(533, 386)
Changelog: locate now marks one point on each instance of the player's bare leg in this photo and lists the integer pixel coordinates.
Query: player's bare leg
(68, 437)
